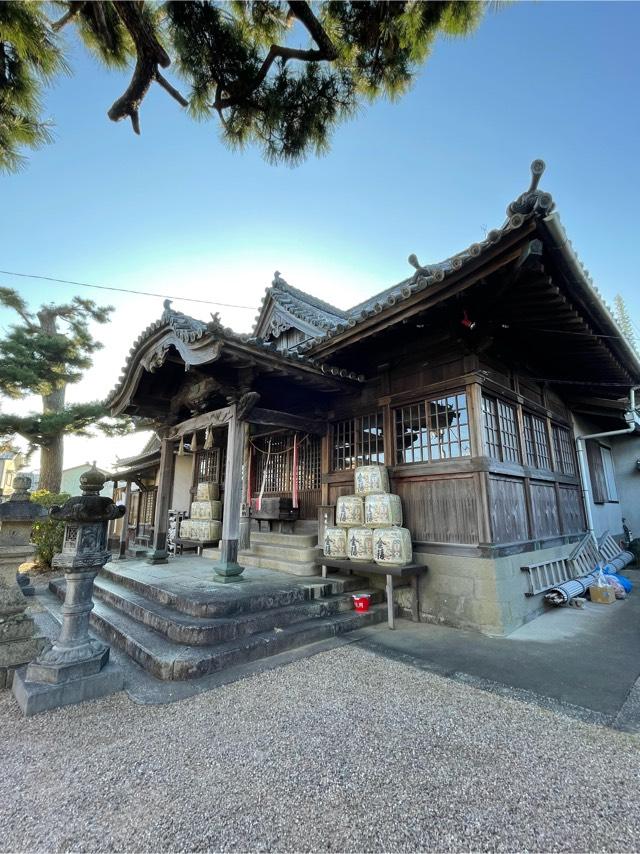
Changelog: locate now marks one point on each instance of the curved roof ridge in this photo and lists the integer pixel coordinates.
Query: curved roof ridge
(532, 202)
(280, 284)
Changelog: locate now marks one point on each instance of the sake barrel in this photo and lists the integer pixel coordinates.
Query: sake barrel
(360, 544)
(206, 529)
(349, 511)
(371, 480)
(335, 542)
(392, 546)
(206, 510)
(381, 511)
(185, 529)
(208, 492)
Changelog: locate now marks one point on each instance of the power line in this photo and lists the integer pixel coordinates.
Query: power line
(126, 290)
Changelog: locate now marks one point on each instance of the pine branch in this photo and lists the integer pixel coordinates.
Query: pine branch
(162, 81)
(150, 54)
(74, 9)
(324, 51)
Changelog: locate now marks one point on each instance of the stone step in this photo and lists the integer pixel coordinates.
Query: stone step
(200, 602)
(282, 563)
(302, 555)
(298, 541)
(170, 661)
(200, 631)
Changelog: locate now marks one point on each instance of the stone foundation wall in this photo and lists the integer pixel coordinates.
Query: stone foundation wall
(482, 594)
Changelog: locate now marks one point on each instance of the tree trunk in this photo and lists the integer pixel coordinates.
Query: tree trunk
(51, 464)
(52, 454)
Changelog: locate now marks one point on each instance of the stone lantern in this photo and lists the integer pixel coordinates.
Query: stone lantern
(77, 666)
(18, 640)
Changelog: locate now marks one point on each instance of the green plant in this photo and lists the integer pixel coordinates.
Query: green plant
(47, 534)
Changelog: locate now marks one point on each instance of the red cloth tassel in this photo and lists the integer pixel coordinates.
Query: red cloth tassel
(294, 473)
(249, 472)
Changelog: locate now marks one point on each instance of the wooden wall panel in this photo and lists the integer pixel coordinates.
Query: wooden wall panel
(507, 510)
(338, 489)
(571, 510)
(545, 520)
(440, 510)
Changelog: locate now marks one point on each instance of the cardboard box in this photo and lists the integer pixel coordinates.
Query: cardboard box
(602, 595)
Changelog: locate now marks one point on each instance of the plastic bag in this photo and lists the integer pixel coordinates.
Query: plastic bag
(602, 580)
(619, 590)
(622, 581)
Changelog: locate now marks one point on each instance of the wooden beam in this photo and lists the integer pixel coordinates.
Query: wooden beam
(215, 418)
(274, 418)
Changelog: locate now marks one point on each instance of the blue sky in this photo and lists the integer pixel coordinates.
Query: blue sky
(175, 211)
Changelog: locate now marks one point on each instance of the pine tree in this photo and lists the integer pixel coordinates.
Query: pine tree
(42, 354)
(29, 59)
(623, 319)
(280, 75)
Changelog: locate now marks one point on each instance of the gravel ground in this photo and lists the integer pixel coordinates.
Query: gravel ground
(345, 751)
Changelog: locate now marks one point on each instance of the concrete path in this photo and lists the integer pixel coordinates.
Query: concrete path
(587, 659)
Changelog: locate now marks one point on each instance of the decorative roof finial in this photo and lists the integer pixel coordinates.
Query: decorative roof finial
(167, 304)
(537, 168)
(531, 201)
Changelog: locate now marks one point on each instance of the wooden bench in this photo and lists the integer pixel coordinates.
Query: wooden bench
(410, 570)
(186, 544)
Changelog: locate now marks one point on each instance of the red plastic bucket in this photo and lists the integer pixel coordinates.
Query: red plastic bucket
(361, 601)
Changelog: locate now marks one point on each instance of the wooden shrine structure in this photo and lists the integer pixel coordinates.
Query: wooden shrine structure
(465, 378)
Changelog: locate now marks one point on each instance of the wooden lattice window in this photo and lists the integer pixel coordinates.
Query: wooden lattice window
(433, 430)
(310, 464)
(536, 441)
(207, 466)
(564, 451)
(357, 441)
(500, 430)
(279, 472)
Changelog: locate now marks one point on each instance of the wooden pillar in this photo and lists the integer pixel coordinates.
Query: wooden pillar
(159, 553)
(124, 531)
(228, 569)
(244, 540)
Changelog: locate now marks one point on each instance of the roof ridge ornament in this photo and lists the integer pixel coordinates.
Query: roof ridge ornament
(532, 200)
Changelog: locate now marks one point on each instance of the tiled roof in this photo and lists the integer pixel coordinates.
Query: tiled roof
(315, 312)
(530, 203)
(189, 329)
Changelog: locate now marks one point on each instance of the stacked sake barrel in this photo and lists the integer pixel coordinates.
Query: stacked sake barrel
(206, 512)
(369, 524)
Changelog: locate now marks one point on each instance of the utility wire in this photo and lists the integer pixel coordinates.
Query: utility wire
(126, 290)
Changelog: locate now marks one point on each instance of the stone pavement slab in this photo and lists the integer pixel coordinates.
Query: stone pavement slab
(587, 658)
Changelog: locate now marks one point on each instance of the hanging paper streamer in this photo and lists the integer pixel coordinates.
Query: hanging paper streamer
(181, 447)
(194, 444)
(294, 473)
(208, 438)
(264, 477)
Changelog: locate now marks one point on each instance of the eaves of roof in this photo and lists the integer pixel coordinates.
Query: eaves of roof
(188, 334)
(532, 209)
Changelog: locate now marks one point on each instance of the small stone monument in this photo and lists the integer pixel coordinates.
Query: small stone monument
(18, 640)
(77, 666)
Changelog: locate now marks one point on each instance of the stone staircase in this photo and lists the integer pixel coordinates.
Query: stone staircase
(293, 553)
(178, 635)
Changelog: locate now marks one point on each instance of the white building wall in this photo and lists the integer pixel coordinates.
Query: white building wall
(607, 516)
(626, 451)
